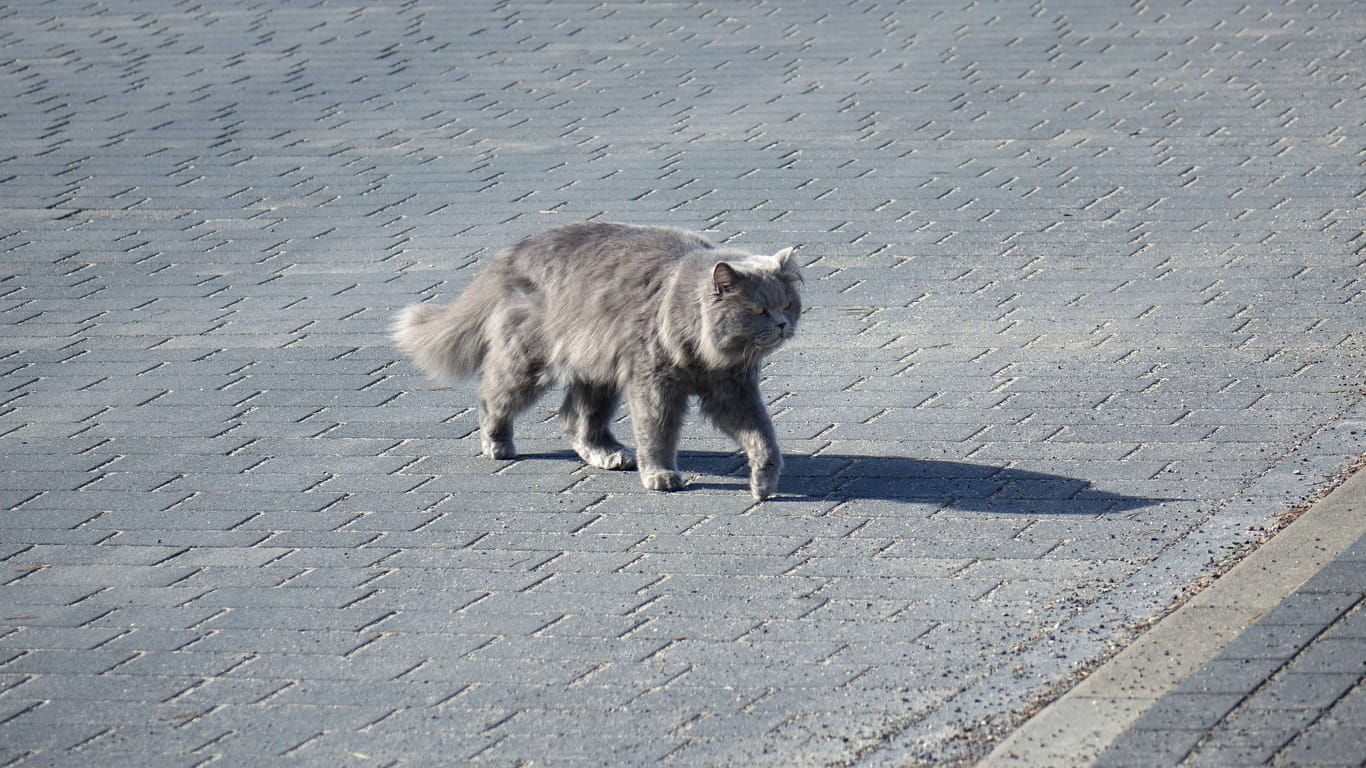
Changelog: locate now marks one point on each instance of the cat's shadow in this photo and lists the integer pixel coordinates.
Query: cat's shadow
(941, 483)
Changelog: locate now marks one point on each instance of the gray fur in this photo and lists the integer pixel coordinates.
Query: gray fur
(658, 315)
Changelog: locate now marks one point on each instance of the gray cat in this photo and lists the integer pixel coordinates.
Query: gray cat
(658, 314)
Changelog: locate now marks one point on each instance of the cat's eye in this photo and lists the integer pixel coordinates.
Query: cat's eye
(787, 306)
(758, 310)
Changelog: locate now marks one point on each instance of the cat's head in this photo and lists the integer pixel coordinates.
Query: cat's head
(753, 305)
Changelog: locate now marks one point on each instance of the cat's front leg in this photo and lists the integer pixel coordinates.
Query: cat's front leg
(763, 478)
(656, 419)
(738, 410)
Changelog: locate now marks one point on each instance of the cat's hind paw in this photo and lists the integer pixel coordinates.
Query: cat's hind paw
(498, 449)
(607, 458)
(618, 460)
(661, 480)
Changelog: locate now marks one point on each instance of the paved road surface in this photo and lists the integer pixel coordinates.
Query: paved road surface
(1085, 287)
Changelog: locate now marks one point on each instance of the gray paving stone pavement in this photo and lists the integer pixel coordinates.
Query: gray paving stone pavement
(1085, 287)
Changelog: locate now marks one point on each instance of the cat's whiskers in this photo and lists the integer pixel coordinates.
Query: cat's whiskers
(755, 351)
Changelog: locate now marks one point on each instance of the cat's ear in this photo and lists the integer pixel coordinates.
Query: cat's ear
(787, 265)
(724, 277)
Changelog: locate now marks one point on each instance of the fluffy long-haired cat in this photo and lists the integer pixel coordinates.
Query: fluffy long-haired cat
(659, 315)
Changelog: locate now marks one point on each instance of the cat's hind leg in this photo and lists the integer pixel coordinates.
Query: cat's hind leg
(514, 376)
(587, 416)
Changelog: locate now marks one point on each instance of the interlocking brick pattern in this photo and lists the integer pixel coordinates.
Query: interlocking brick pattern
(1085, 287)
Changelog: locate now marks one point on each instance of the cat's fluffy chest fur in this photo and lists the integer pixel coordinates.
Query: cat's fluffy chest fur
(654, 314)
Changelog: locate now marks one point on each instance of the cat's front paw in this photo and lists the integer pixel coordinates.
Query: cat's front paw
(763, 481)
(661, 480)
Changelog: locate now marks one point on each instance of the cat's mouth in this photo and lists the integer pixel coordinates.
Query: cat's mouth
(773, 340)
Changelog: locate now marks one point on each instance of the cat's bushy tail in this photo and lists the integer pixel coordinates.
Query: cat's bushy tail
(448, 341)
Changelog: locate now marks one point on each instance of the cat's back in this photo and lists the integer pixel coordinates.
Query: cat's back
(599, 289)
(591, 252)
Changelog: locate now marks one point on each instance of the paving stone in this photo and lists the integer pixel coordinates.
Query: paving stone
(1296, 690)
(1326, 745)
